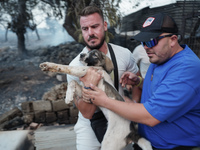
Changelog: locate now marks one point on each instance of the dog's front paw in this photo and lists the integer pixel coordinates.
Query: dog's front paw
(144, 144)
(44, 66)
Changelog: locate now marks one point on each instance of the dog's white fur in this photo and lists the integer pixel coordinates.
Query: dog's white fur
(118, 127)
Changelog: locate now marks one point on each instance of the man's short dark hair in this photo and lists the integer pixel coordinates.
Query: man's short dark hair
(91, 10)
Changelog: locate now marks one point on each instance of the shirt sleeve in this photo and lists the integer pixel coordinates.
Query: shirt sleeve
(132, 65)
(136, 54)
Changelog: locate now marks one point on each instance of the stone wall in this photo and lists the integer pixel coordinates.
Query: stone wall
(44, 111)
(52, 109)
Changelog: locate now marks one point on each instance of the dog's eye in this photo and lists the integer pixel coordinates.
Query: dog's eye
(82, 55)
(95, 56)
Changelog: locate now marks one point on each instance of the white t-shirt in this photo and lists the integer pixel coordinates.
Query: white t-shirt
(125, 62)
(141, 58)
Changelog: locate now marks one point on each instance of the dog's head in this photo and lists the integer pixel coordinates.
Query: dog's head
(97, 58)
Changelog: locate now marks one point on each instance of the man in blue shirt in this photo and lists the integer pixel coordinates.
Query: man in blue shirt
(169, 112)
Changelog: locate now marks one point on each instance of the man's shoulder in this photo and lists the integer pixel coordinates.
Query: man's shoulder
(114, 46)
(119, 49)
(75, 61)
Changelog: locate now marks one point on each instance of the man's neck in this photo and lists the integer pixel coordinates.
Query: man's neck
(177, 49)
(104, 48)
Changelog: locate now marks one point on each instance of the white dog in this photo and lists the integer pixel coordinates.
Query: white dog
(118, 131)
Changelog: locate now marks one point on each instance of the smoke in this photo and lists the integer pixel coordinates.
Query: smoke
(51, 34)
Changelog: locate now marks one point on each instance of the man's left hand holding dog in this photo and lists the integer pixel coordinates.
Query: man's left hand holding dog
(91, 79)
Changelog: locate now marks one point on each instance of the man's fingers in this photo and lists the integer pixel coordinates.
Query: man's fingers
(93, 87)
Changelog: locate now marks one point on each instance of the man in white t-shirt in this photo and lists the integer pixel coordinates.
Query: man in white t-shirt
(141, 58)
(93, 29)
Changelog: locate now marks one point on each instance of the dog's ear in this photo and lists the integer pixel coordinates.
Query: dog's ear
(108, 66)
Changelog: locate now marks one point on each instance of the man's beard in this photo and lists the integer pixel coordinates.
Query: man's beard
(95, 46)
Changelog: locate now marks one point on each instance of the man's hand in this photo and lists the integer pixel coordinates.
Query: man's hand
(93, 76)
(129, 78)
(95, 95)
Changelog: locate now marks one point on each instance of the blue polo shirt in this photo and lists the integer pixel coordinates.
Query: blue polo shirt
(171, 94)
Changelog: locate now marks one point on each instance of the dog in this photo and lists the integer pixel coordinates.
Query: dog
(119, 133)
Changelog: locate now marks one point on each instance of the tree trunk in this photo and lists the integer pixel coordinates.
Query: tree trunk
(6, 35)
(70, 27)
(21, 29)
(21, 43)
(38, 36)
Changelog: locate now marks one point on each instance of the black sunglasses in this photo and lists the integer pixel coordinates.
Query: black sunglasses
(154, 41)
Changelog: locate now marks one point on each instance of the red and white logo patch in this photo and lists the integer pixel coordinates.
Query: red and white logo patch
(148, 22)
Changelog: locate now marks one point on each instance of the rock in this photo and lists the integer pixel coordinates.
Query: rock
(10, 115)
(12, 123)
(40, 117)
(73, 111)
(63, 117)
(51, 96)
(33, 125)
(57, 92)
(59, 105)
(41, 105)
(28, 118)
(33, 106)
(51, 117)
(73, 120)
(3, 49)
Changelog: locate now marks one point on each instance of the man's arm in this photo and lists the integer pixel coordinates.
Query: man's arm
(131, 111)
(86, 109)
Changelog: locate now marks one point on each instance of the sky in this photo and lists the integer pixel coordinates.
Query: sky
(127, 6)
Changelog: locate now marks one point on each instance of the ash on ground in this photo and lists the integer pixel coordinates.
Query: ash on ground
(21, 78)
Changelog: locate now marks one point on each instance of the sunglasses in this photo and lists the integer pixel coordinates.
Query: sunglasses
(154, 41)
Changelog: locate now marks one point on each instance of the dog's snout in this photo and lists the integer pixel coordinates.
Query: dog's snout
(82, 55)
